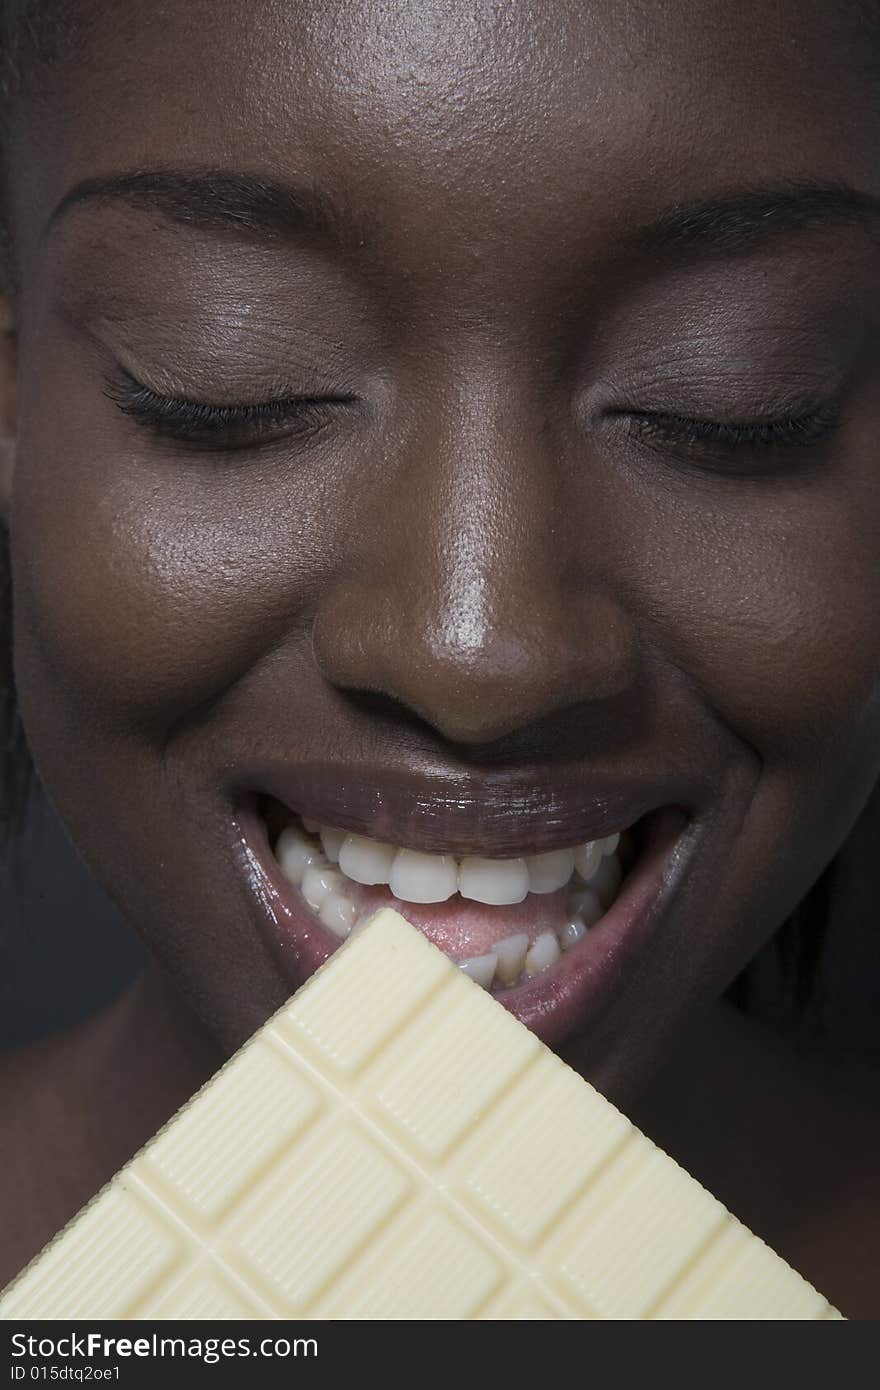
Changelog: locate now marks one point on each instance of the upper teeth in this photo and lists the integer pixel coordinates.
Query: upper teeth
(321, 872)
(433, 878)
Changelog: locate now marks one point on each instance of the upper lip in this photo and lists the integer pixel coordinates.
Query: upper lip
(456, 812)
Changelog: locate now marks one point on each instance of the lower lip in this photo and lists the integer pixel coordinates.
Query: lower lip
(583, 984)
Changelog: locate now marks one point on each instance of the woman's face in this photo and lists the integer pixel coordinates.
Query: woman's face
(479, 596)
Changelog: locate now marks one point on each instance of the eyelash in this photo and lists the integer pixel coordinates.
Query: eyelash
(221, 425)
(797, 431)
(231, 425)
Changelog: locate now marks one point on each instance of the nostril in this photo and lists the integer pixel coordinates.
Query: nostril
(378, 705)
(466, 739)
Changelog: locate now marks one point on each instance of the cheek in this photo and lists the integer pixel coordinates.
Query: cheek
(149, 582)
(779, 622)
(137, 603)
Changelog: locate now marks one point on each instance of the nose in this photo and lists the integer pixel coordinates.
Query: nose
(482, 598)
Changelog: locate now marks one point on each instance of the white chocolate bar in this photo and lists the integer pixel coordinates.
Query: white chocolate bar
(393, 1144)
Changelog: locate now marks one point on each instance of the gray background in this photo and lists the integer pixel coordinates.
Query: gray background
(64, 949)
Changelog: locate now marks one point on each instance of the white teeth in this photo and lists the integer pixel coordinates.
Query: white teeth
(423, 878)
(586, 903)
(543, 952)
(481, 969)
(432, 878)
(547, 872)
(311, 826)
(338, 914)
(413, 876)
(587, 858)
(366, 861)
(295, 853)
(499, 882)
(319, 880)
(571, 933)
(511, 954)
(332, 840)
(606, 881)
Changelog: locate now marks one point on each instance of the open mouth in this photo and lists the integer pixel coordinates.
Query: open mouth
(546, 933)
(504, 921)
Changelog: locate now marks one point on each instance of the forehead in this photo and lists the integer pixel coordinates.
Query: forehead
(462, 119)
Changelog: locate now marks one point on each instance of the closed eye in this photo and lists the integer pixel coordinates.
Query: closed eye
(222, 426)
(786, 432)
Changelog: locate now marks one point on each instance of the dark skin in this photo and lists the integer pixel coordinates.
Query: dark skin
(471, 537)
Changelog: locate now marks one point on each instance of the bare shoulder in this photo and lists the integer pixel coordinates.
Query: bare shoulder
(78, 1105)
(41, 1145)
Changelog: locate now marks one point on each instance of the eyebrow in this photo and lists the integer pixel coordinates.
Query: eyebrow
(257, 206)
(747, 218)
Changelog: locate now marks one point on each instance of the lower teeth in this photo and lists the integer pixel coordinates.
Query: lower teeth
(511, 961)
